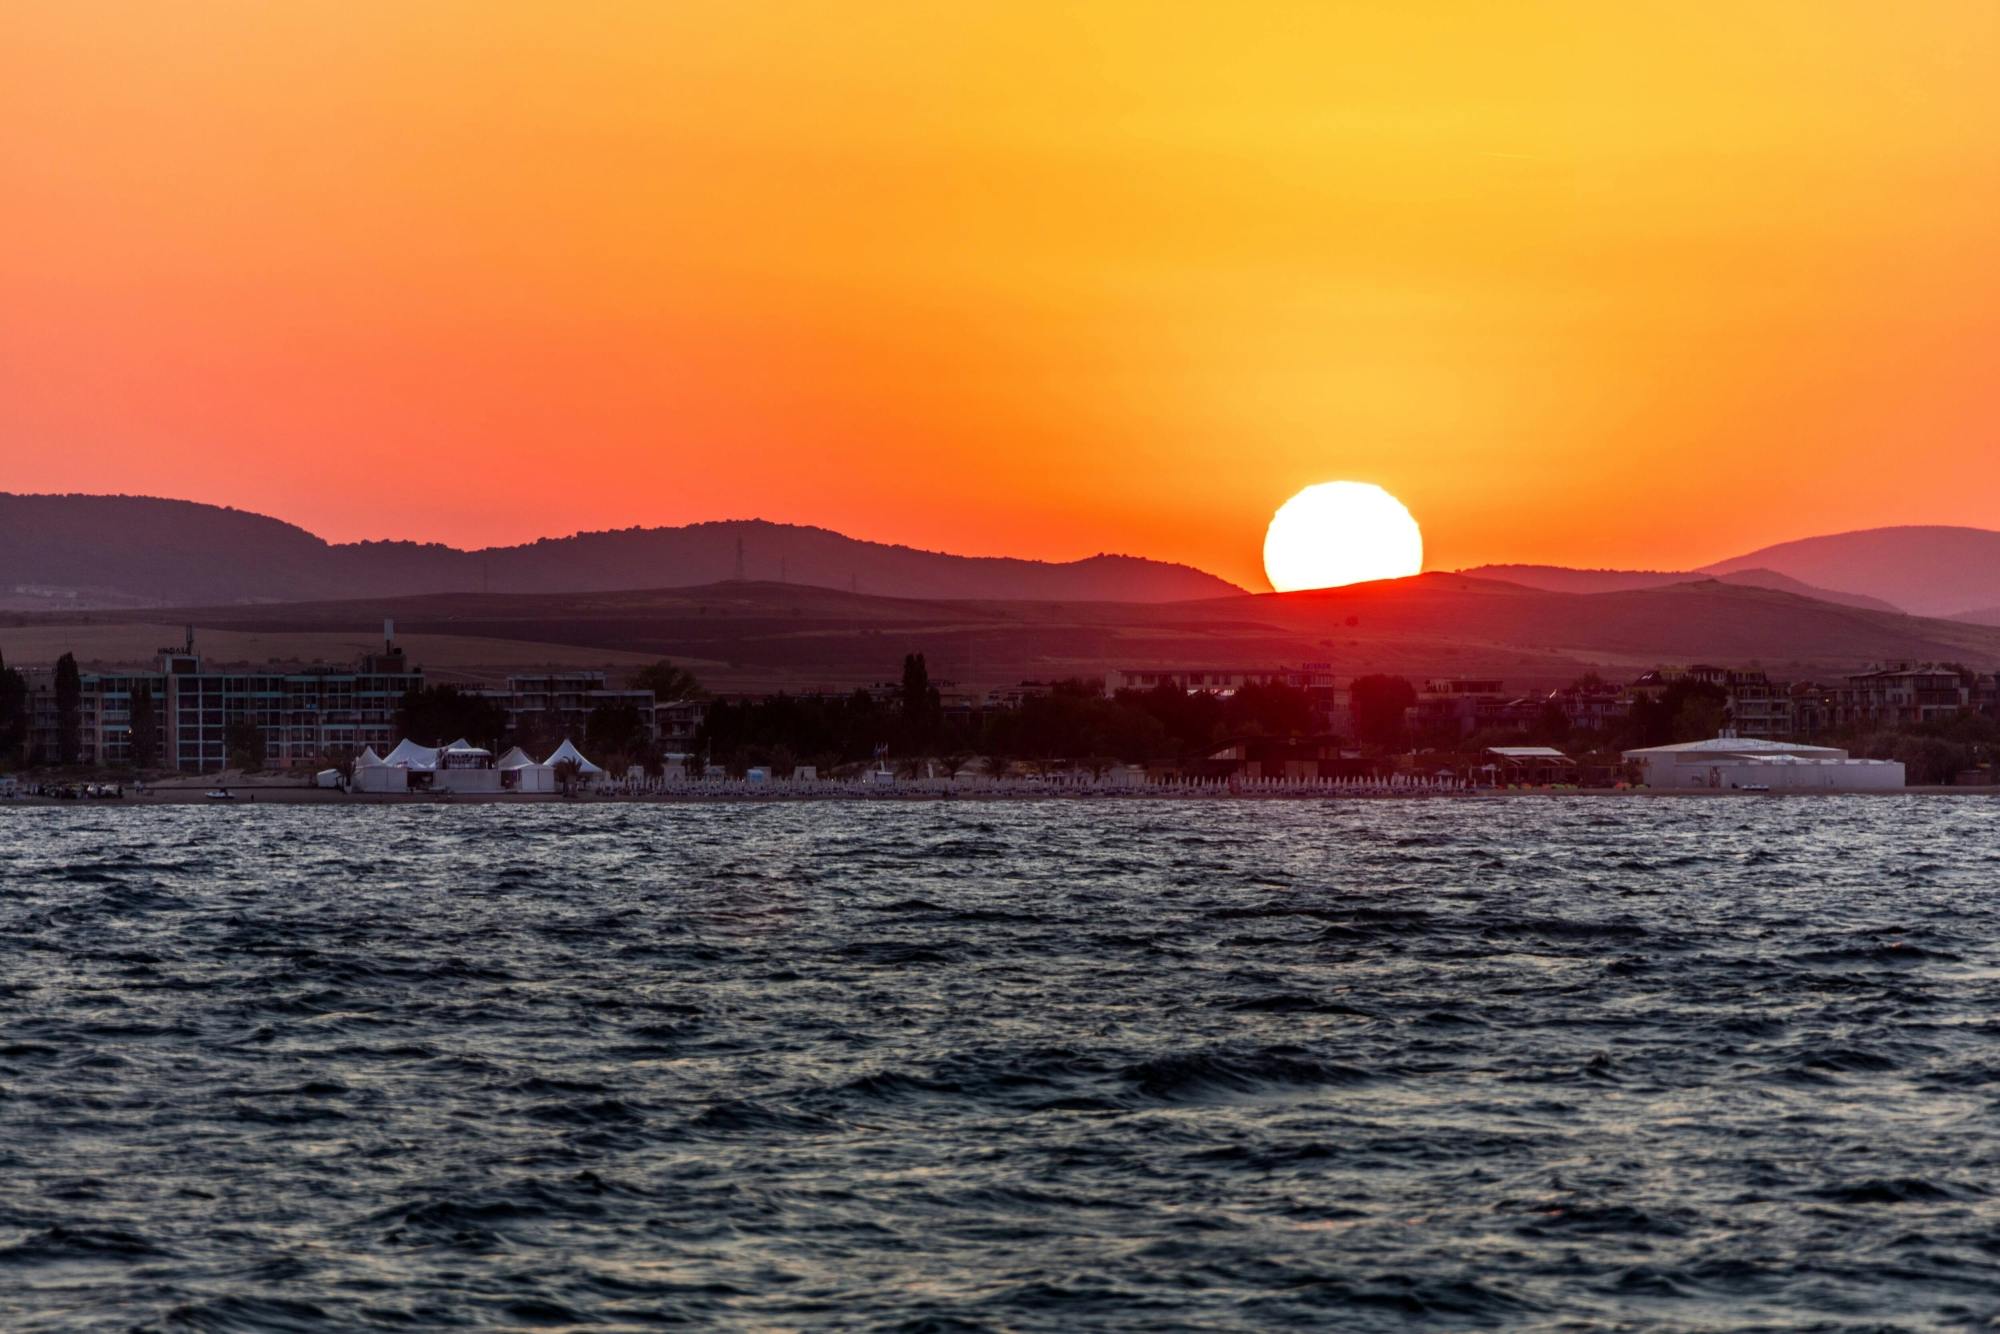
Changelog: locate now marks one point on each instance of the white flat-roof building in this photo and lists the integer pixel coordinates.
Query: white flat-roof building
(1756, 765)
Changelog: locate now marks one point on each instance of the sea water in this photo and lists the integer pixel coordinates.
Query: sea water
(1535, 1062)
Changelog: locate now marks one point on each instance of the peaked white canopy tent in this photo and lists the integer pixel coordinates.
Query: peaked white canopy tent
(520, 772)
(568, 751)
(464, 767)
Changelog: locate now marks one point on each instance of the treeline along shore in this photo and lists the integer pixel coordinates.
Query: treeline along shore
(1288, 730)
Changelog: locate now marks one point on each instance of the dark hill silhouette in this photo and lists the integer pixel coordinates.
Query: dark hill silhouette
(1430, 624)
(1930, 571)
(1562, 579)
(1681, 622)
(134, 551)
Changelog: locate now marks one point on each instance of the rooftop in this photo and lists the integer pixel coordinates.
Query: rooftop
(1737, 745)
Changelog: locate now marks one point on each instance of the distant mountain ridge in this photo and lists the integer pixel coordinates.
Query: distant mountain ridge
(1925, 570)
(1563, 579)
(86, 551)
(1930, 570)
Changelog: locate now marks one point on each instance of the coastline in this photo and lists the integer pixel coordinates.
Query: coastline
(308, 796)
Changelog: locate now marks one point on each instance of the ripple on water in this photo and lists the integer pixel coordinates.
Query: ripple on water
(1568, 1063)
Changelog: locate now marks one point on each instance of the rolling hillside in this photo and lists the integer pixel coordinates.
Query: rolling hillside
(763, 635)
(1929, 571)
(1562, 579)
(74, 552)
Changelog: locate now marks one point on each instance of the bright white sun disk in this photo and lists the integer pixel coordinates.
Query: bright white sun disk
(1341, 533)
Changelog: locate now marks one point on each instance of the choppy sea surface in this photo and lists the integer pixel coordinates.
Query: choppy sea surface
(1536, 1063)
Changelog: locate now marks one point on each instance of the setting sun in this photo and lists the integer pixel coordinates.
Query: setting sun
(1341, 533)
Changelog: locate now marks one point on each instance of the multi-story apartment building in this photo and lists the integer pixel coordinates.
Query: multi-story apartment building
(559, 704)
(1813, 709)
(306, 716)
(1986, 694)
(1450, 708)
(1593, 706)
(678, 722)
(1707, 675)
(1903, 695)
(1757, 706)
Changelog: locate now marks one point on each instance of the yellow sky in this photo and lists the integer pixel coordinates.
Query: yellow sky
(1598, 284)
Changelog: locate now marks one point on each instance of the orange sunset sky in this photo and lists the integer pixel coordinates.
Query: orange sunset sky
(1600, 284)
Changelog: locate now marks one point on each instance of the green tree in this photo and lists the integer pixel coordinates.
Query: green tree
(13, 713)
(69, 710)
(616, 729)
(1272, 709)
(1698, 719)
(667, 682)
(1380, 705)
(244, 742)
(1192, 721)
(916, 683)
(848, 727)
(1552, 726)
(1074, 721)
(1687, 710)
(538, 732)
(919, 702)
(440, 715)
(145, 728)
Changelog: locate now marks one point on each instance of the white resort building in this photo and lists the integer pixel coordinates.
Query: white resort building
(1750, 764)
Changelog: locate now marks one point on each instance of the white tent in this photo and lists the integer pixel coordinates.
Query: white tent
(368, 759)
(520, 773)
(380, 776)
(567, 751)
(409, 755)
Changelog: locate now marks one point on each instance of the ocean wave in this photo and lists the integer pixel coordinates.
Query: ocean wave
(1527, 1063)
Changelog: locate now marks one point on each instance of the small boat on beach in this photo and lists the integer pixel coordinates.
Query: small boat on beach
(220, 794)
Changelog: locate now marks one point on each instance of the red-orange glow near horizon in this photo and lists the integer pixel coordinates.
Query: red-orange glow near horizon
(1636, 285)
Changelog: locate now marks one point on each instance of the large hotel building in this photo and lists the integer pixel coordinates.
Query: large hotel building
(305, 715)
(308, 716)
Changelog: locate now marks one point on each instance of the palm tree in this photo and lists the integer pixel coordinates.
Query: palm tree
(667, 682)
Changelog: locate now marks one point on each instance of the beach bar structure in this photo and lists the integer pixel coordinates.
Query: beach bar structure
(1532, 766)
(1750, 764)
